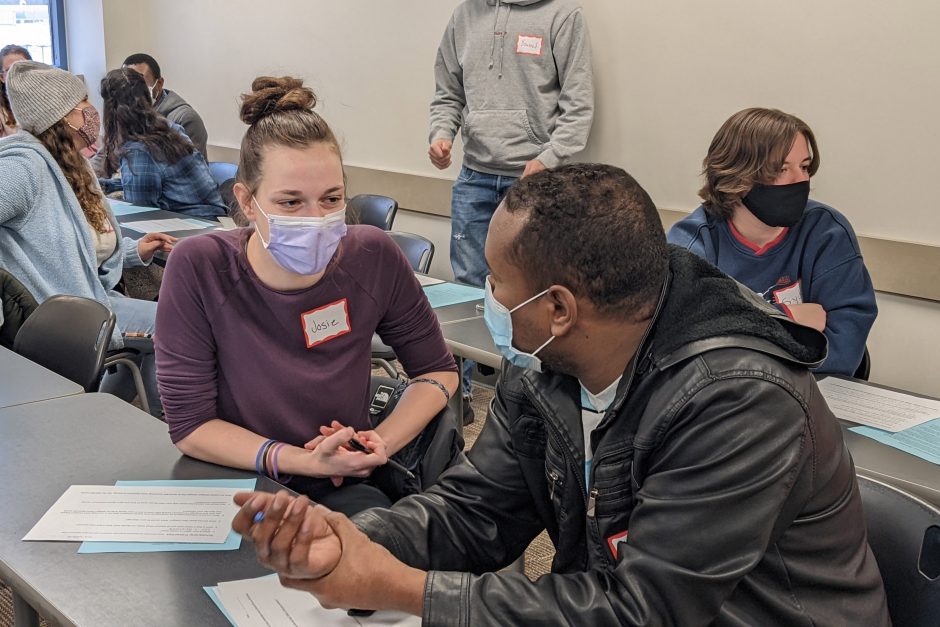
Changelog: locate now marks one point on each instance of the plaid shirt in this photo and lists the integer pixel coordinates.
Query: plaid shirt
(185, 186)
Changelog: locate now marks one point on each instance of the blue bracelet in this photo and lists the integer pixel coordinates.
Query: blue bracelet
(260, 453)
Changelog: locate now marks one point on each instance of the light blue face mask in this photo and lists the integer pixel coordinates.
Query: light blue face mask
(498, 320)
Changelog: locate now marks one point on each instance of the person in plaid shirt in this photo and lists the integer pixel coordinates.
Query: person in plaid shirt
(158, 163)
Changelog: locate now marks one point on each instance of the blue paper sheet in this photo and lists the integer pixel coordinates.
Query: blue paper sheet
(921, 441)
(444, 294)
(125, 209)
(232, 542)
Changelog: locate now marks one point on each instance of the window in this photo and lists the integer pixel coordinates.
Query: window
(38, 26)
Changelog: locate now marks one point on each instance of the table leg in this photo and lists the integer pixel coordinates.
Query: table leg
(23, 613)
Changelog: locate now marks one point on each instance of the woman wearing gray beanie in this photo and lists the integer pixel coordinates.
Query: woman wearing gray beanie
(58, 234)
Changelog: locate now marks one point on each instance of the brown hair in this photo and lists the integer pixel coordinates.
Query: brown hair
(749, 148)
(58, 141)
(6, 112)
(278, 111)
(129, 116)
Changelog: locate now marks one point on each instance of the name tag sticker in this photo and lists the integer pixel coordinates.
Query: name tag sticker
(529, 44)
(790, 295)
(616, 540)
(326, 323)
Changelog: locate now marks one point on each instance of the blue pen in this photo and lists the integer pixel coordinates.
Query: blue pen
(258, 517)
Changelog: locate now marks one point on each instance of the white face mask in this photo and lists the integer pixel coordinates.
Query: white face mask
(153, 93)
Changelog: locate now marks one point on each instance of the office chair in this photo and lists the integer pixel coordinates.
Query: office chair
(419, 251)
(904, 534)
(378, 211)
(864, 368)
(68, 335)
(222, 171)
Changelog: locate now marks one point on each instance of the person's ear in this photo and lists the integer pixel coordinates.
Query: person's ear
(564, 310)
(159, 84)
(243, 196)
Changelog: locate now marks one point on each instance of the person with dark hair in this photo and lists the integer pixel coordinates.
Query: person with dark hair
(658, 421)
(169, 103)
(758, 224)
(58, 234)
(8, 56)
(264, 336)
(159, 166)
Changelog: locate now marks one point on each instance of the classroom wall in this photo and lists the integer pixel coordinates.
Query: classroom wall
(861, 72)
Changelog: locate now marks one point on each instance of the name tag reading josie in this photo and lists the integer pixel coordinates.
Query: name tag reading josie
(326, 323)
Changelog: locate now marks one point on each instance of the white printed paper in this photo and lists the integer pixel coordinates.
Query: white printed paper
(876, 407)
(138, 514)
(169, 225)
(424, 279)
(264, 602)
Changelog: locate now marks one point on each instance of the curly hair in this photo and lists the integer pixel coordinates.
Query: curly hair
(592, 228)
(58, 141)
(278, 111)
(749, 148)
(129, 116)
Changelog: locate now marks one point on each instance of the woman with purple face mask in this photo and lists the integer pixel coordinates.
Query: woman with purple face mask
(758, 224)
(58, 234)
(265, 333)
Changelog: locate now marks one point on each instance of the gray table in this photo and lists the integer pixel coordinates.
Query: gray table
(97, 439)
(470, 339)
(160, 214)
(895, 467)
(25, 381)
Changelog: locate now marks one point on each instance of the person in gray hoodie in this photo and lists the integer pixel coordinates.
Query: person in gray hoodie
(169, 103)
(515, 77)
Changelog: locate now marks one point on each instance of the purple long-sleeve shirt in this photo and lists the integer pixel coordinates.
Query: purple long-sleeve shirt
(281, 364)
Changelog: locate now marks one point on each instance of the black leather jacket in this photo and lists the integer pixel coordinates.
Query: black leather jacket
(719, 459)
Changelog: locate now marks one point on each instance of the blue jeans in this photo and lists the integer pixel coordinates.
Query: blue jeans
(475, 198)
(135, 320)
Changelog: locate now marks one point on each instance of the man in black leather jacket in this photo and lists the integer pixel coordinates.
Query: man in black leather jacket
(715, 489)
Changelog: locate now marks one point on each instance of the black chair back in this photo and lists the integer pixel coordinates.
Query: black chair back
(419, 250)
(864, 368)
(68, 335)
(904, 534)
(222, 171)
(377, 211)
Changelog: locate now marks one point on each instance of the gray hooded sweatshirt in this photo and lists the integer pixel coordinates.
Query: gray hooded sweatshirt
(172, 106)
(516, 77)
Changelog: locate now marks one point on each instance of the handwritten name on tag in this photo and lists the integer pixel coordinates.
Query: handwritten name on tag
(326, 323)
(529, 44)
(790, 295)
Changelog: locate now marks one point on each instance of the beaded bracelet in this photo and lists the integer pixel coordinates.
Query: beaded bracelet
(439, 385)
(262, 451)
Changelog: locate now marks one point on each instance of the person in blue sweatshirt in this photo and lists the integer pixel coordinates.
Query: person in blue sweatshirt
(758, 225)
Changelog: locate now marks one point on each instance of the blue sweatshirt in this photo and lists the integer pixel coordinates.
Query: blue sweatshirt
(816, 261)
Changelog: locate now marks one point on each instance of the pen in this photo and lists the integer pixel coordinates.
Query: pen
(359, 446)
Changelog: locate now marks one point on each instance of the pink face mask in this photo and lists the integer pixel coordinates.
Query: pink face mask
(91, 125)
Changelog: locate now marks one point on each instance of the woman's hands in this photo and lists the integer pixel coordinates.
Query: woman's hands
(149, 244)
(333, 457)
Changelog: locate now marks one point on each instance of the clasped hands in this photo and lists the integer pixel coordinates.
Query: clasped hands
(334, 458)
(322, 552)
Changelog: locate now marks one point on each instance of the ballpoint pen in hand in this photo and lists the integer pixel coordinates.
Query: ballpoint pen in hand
(359, 446)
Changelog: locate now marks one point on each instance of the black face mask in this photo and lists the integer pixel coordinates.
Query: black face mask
(778, 205)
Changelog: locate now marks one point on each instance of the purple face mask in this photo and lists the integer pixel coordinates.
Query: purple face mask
(91, 125)
(303, 245)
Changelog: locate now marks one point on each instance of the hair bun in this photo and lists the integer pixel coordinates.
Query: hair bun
(270, 95)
